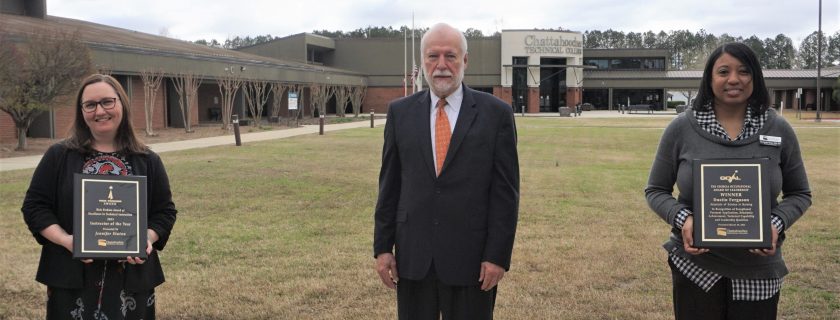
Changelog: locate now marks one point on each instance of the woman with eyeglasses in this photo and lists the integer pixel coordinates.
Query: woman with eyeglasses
(102, 141)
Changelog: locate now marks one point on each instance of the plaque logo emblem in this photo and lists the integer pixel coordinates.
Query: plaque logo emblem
(721, 232)
(733, 177)
(102, 243)
(110, 192)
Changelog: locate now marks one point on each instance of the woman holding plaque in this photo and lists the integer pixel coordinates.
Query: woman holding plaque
(102, 142)
(729, 119)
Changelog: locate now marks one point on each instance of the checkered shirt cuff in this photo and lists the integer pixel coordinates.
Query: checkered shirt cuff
(777, 222)
(679, 221)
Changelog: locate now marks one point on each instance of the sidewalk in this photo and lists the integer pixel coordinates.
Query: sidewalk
(604, 114)
(7, 164)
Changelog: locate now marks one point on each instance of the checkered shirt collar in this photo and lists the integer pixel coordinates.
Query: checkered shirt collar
(707, 120)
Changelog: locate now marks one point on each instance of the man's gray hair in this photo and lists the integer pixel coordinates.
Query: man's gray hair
(443, 26)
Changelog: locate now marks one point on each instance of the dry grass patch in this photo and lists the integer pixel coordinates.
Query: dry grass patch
(283, 229)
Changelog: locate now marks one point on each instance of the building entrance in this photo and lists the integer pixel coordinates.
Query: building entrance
(520, 84)
(552, 84)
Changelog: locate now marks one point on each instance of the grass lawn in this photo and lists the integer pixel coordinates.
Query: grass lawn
(283, 229)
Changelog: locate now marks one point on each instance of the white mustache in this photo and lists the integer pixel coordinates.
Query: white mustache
(441, 73)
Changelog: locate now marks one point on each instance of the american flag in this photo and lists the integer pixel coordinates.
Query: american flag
(414, 74)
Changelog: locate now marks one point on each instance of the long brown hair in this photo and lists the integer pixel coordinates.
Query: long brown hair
(80, 136)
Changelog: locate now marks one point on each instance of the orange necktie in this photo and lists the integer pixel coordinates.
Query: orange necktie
(442, 135)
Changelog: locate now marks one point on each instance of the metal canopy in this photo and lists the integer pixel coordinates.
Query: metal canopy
(550, 66)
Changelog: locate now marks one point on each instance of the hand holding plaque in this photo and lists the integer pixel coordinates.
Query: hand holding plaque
(110, 217)
(731, 203)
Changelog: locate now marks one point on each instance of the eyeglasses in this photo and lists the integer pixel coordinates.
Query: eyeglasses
(106, 103)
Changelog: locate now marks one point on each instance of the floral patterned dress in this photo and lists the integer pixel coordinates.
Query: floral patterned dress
(104, 296)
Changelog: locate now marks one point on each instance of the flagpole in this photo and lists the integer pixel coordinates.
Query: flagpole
(420, 71)
(413, 62)
(819, 60)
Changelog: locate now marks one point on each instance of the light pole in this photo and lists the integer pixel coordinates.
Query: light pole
(819, 60)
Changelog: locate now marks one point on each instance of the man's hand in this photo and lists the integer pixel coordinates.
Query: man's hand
(490, 275)
(688, 238)
(386, 267)
(772, 250)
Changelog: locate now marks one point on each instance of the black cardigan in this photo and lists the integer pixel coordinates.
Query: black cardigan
(49, 200)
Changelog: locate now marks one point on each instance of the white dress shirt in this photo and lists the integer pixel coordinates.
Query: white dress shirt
(452, 108)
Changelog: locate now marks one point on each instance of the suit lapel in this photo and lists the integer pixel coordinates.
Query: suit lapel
(462, 125)
(422, 112)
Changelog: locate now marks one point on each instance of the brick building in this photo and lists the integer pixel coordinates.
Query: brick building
(534, 70)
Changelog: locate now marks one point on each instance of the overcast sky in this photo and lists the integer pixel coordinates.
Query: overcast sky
(222, 19)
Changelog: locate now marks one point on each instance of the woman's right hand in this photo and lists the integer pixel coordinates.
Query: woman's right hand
(68, 244)
(57, 235)
(688, 238)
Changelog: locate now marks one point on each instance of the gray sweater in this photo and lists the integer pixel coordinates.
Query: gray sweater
(683, 141)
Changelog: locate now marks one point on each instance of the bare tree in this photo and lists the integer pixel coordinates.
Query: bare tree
(277, 91)
(342, 98)
(10, 62)
(31, 78)
(320, 94)
(151, 85)
(256, 95)
(297, 112)
(228, 85)
(187, 86)
(315, 91)
(356, 99)
(689, 94)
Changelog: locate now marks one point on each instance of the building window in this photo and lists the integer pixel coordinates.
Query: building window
(654, 63)
(315, 56)
(626, 63)
(597, 63)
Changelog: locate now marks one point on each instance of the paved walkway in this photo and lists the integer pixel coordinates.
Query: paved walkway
(30, 162)
(604, 114)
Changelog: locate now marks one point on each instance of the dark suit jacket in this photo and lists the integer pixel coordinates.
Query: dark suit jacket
(466, 215)
(49, 200)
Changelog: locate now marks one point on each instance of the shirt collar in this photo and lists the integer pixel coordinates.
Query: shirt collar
(453, 100)
(751, 120)
(707, 120)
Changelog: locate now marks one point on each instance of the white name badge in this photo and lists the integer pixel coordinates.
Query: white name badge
(770, 140)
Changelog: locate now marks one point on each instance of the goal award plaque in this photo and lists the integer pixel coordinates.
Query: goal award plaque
(731, 203)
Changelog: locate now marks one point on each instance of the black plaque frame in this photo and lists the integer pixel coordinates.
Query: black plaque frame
(110, 216)
(731, 203)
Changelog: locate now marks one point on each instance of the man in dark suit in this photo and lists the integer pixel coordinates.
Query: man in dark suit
(448, 191)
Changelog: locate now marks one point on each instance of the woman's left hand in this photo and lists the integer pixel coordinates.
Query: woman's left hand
(152, 236)
(772, 250)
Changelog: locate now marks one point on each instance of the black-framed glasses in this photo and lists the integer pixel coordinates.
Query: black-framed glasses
(106, 103)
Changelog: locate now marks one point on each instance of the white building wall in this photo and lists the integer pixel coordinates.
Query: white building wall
(536, 44)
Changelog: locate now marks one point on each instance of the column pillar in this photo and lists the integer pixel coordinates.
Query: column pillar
(533, 100)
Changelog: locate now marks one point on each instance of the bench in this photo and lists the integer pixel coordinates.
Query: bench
(639, 108)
